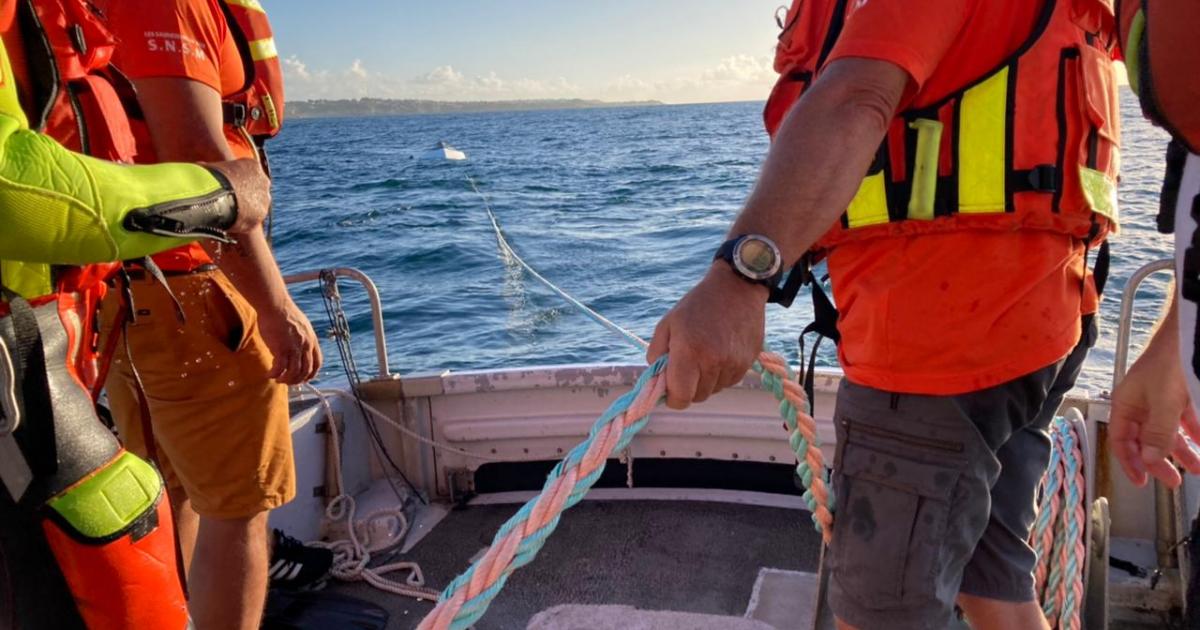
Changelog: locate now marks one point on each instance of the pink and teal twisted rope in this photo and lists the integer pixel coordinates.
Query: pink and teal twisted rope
(1058, 531)
(467, 598)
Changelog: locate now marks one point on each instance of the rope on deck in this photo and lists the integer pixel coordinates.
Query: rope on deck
(350, 555)
(467, 598)
(1058, 533)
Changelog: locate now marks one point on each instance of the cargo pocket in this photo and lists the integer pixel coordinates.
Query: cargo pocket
(1098, 102)
(230, 319)
(891, 523)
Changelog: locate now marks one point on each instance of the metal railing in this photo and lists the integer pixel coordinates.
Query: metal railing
(381, 353)
(1125, 324)
(1165, 499)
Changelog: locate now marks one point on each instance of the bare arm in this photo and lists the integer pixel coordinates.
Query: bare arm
(1150, 405)
(185, 121)
(821, 153)
(818, 159)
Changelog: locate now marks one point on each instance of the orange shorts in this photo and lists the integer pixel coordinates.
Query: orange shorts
(220, 426)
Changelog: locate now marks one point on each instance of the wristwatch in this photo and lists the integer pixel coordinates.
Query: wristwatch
(754, 257)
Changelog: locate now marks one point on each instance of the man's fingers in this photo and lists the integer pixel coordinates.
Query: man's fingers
(1159, 467)
(707, 385)
(1190, 423)
(287, 372)
(660, 342)
(731, 377)
(303, 366)
(1185, 455)
(1130, 459)
(318, 357)
(682, 378)
(278, 365)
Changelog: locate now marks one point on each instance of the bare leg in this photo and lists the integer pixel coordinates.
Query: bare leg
(187, 523)
(228, 578)
(992, 614)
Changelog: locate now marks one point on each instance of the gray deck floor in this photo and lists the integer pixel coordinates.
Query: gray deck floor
(652, 555)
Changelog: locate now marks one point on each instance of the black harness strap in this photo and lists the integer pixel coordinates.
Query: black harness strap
(824, 324)
(37, 438)
(1168, 199)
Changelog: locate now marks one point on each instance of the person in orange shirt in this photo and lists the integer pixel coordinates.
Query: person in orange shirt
(203, 391)
(955, 163)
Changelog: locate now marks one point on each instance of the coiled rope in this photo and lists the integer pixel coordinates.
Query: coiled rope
(350, 555)
(517, 542)
(1058, 532)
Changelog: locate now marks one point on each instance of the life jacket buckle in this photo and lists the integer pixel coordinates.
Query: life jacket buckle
(236, 114)
(79, 40)
(1042, 178)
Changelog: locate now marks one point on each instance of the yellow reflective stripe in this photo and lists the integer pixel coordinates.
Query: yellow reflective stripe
(263, 49)
(1100, 193)
(272, 112)
(925, 168)
(869, 206)
(981, 164)
(1133, 51)
(252, 5)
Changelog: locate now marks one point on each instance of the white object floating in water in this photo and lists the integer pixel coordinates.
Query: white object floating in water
(442, 151)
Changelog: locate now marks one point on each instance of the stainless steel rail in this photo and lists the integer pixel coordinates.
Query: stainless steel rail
(1125, 325)
(1164, 498)
(381, 354)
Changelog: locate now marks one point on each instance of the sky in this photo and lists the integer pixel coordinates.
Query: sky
(674, 51)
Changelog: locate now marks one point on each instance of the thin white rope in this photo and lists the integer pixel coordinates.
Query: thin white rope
(417, 436)
(351, 555)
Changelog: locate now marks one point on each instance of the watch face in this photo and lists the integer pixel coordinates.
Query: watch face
(757, 258)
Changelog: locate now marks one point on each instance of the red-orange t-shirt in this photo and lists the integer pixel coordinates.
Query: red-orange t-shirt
(187, 39)
(947, 314)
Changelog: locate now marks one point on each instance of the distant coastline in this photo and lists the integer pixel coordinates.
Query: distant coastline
(396, 107)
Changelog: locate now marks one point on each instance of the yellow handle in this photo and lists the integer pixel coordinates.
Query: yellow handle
(925, 169)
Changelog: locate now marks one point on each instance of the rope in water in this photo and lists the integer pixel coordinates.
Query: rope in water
(1058, 533)
(517, 542)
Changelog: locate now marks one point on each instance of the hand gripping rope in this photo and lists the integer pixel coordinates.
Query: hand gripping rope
(517, 542)
(467, 598)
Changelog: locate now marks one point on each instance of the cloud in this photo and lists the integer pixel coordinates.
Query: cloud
(441, 75)
(295, 69)
(739, 77)
(740, 69)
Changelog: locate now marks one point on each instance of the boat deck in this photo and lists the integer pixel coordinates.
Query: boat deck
(700, 557)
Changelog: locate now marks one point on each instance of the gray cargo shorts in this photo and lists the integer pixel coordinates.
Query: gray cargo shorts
(936, 496)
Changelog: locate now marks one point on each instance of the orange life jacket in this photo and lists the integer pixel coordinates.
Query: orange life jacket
(71, 97)
(1032, 144)
(257, 109)
(1159, 41)
(102, 511)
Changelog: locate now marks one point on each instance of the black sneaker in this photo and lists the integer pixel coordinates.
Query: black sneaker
(297, 566)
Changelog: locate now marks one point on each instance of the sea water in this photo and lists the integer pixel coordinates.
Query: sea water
(622, 207)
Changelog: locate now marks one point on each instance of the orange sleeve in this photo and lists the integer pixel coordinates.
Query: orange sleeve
(913, 34)
(169, 39)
